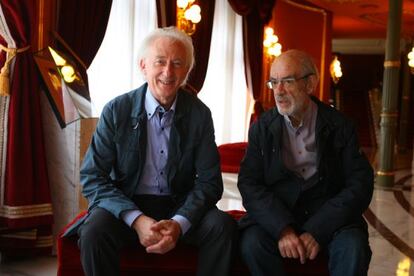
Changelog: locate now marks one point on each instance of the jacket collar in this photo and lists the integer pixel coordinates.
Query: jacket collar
(138, 105)
(324, 125)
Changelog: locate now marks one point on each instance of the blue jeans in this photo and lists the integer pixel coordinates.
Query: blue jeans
(349, 252)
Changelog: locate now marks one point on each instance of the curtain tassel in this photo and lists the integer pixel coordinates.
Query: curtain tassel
(5, 71)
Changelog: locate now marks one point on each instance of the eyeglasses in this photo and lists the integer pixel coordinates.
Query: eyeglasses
(287, 82)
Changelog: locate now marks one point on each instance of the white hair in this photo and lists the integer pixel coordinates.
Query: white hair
(174, 34)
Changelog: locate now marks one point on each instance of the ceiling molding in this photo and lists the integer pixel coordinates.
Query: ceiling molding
(358, 46)
(364, 46)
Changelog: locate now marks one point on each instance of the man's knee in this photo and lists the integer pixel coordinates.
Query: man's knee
(352, 241)
(349, 250)
(100, 228)
(220, 224)
(254, 242)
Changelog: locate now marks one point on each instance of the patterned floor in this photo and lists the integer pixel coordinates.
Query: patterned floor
(390, 217)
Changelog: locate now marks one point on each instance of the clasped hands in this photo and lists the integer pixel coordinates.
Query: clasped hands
(157, 236)
(303, 246)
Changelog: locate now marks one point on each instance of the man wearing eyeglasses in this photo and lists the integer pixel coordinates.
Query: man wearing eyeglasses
(304, 180)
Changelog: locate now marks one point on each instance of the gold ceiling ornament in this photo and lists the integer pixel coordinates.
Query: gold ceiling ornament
(188, 15)
(271, 44)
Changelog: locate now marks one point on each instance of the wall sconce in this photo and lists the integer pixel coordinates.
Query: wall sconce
(270, 42)
(188, 15)
(411, 60)
(335, 70)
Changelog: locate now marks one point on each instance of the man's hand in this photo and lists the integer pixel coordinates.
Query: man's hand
(311, 245)
(147, 237)
(170, 231)
(291, 246)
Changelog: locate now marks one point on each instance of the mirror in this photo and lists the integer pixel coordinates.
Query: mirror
(65, 86)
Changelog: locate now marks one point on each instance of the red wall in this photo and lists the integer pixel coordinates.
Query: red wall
(307, 28)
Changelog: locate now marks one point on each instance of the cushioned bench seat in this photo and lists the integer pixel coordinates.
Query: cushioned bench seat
(180, 261)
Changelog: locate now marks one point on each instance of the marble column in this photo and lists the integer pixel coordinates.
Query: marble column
(389, 113)
(405, 106)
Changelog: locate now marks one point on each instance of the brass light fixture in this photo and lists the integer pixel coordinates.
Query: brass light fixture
(272, 47)
(335, 70)
(188, 15)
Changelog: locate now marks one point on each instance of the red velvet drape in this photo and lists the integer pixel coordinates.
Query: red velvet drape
(166, 13)
(256, 14)
(201, 38)
(202, 41)
(82, 24)
(27, 204)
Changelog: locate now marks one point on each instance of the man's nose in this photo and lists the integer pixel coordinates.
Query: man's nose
(169, 68)
(278, 88)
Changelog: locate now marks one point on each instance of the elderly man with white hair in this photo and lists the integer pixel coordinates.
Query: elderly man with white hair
(152, 172)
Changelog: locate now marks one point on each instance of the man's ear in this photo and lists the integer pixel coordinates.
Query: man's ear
(142, 66)
(311, 84)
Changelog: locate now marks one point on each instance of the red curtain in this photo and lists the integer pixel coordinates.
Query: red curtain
(166, 13)
(256, 14)
(201, 38)
(26, 213)
(82, 24)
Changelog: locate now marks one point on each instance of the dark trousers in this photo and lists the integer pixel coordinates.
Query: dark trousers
(349, 252)
(102, 236)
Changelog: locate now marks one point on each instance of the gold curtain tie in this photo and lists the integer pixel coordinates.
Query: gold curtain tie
(5, 71)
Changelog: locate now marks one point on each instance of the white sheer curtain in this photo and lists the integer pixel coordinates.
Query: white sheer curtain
(114, 70)
(224, 90)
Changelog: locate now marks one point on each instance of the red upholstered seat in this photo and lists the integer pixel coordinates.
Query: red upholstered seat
(183, 259)
(180, 261)
(231, 155)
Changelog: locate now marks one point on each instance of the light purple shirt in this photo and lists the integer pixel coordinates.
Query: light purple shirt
(154, 177)
(299, 150)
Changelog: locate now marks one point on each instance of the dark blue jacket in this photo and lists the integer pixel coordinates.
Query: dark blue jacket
(113, 164)
(272, 194)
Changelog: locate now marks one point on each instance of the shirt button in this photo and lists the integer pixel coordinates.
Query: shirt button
(161, 151)
(161, 173)
(162, 128)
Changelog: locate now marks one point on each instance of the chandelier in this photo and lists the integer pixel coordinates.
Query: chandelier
(188, 15)
(272, 47)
